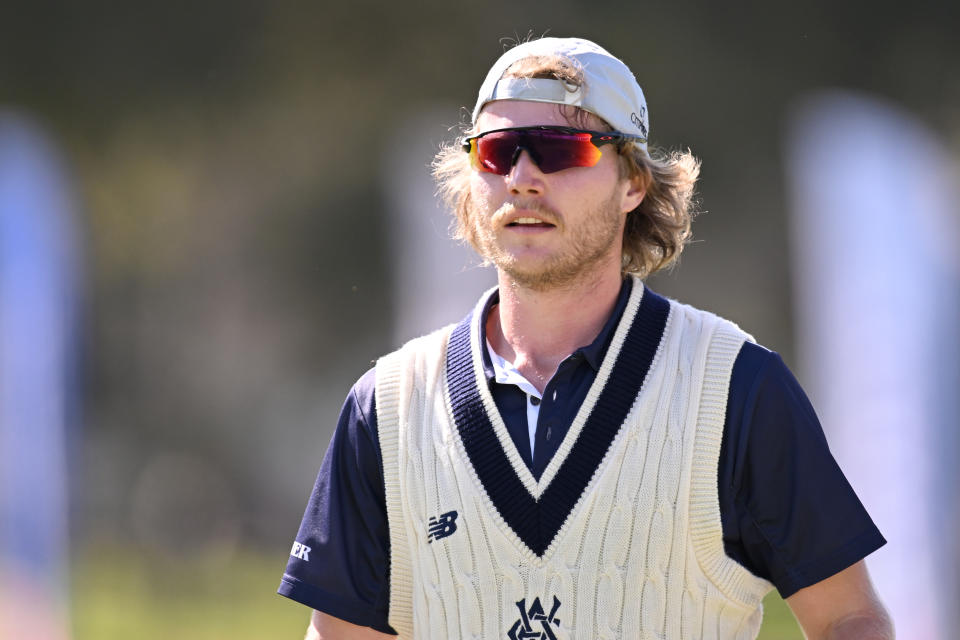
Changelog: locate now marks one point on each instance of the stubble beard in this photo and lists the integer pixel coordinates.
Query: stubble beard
(586, 247)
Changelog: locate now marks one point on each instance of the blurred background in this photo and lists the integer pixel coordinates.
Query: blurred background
(214, 216)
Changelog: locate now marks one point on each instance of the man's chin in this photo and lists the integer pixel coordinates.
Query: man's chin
(541, 276)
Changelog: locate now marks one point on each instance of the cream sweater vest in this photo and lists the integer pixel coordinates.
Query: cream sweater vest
(631, 549)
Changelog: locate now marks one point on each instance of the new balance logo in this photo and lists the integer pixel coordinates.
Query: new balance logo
(534, 624)
(441, 526)
(301, 551)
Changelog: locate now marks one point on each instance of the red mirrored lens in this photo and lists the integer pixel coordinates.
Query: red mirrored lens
(556, 151)
(552, 151)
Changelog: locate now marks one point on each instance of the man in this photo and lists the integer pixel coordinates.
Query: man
(579, 457)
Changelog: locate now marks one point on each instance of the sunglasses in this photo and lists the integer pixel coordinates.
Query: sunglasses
(552, 148)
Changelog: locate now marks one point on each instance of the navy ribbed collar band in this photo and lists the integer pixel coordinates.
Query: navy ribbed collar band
(538, 521)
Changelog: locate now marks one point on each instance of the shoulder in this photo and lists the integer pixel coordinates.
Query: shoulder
(763, 385)
(355, 440)
(767, 410)
(699, 320)
(756, 367)
(754, 363)
(431, 343)
(411, 367)
(716, 339)
(363, 397)
(758, 400)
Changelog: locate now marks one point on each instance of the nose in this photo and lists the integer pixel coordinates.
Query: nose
(525, 177)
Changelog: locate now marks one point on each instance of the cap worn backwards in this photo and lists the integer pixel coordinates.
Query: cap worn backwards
(609, 89)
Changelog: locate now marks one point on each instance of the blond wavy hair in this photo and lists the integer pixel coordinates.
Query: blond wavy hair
(655, 232)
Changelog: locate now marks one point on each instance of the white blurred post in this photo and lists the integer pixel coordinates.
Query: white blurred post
(436, 281)
(876, 254)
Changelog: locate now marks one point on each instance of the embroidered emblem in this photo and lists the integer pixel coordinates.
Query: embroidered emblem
(523, 629)
(441, 526)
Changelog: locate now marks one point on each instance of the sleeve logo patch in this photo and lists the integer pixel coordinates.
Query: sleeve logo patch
(301, 551)
(441, 526)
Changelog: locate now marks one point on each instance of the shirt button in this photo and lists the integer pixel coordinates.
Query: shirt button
(534, 400)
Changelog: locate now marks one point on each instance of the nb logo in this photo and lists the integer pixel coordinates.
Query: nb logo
(301, 551)
(534, 624)
(441, 526)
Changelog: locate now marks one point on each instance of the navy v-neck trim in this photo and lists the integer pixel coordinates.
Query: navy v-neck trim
(537, 523)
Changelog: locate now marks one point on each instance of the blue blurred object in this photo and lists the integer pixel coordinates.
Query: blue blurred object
(38, 320)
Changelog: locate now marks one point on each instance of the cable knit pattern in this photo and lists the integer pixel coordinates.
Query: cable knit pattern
(633, 549)
(396, 391)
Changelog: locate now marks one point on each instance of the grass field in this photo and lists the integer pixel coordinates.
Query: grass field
(122, 595)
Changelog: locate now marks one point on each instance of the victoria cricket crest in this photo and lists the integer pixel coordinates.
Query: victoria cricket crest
(534, 624)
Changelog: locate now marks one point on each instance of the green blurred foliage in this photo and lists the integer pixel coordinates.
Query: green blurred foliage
(121, 594)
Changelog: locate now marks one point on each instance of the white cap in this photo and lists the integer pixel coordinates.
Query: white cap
(609, 89)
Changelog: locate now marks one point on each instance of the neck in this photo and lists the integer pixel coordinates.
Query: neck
(537, 329)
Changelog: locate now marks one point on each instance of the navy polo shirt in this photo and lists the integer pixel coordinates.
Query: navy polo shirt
(788, 513)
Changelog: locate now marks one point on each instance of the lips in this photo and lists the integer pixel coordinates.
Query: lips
(533, 216)
(529, 222)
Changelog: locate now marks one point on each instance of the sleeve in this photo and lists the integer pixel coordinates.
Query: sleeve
(339, 563)
(795, 520)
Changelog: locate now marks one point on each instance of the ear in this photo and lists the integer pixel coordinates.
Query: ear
(634, 193)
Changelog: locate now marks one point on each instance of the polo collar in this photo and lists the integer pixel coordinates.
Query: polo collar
(593, 353)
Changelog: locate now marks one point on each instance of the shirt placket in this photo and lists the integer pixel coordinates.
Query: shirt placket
(551, 425)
